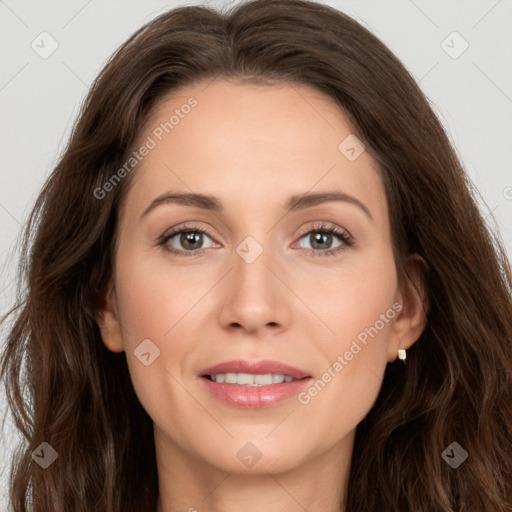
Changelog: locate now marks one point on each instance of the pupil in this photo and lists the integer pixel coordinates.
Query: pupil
(319, 237)
(191, 238)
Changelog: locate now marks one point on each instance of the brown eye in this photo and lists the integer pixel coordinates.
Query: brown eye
(191, 240)
(186, 241)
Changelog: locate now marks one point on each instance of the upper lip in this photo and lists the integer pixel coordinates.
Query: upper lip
(255, 368)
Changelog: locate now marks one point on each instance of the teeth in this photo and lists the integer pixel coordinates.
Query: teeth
(247, 379)
(230, 378)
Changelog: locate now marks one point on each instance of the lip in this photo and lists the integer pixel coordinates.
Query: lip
(259, 396)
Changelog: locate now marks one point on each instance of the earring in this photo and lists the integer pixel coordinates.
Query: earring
(402, 354)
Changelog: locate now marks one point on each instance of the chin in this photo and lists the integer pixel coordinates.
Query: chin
(250, 455)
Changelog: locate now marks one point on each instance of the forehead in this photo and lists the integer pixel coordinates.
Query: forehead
(251, 145)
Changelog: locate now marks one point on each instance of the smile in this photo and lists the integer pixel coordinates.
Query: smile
(247, 379)
(253, 384)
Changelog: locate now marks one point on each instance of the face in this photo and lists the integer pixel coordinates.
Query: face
(267, 281)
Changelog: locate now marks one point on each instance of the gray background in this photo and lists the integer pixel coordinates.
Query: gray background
(39, 98)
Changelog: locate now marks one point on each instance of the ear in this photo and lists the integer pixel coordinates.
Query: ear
(412, 318)
(108, 320)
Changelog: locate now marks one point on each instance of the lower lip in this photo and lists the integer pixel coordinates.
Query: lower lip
(255, 397)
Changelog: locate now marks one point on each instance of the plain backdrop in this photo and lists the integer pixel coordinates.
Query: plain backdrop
(467, 75)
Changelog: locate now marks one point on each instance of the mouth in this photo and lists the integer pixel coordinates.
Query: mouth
(253, 384)
(248, 379)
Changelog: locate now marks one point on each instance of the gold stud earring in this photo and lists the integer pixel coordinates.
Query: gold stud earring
(402, 354)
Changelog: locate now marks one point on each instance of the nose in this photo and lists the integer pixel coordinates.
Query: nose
(255, 298)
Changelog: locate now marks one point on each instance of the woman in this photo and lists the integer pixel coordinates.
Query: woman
(190, 344)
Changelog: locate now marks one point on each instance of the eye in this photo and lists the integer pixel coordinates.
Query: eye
(190, 238)
(322, 235)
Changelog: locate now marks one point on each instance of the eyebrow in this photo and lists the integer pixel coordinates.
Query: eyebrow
(294, 203)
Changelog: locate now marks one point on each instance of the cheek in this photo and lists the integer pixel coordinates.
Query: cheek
(151, 298)
(148, 307)
(360, 299)
(359, 309)
(341, 396)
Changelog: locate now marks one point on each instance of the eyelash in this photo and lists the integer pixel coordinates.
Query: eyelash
(346, 239)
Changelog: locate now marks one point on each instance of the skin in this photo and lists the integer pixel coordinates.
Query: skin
(253, 146)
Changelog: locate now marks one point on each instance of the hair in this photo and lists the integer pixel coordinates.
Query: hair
(66, 388)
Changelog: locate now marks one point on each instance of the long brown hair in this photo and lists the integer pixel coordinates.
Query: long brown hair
(65, 388)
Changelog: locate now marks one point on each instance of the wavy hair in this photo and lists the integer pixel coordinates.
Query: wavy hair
(66, 388)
